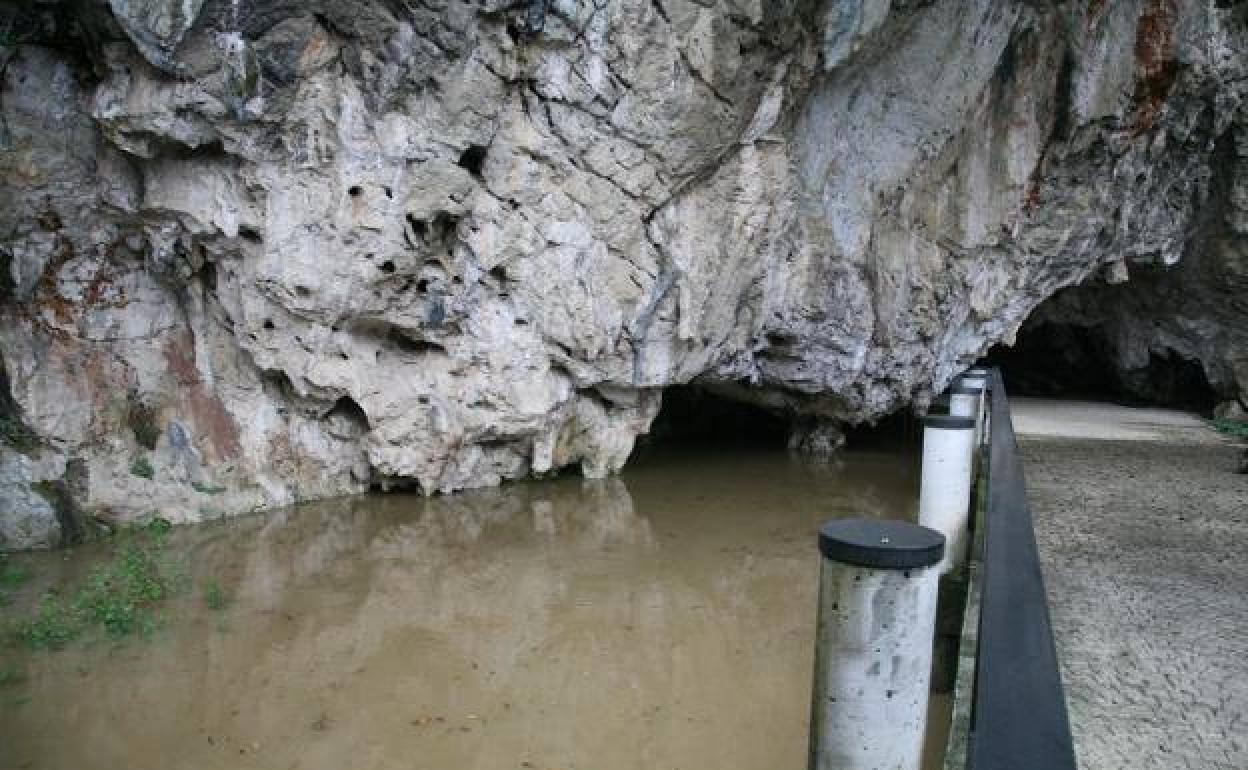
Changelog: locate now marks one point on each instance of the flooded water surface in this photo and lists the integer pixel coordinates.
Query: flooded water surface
(663, 619)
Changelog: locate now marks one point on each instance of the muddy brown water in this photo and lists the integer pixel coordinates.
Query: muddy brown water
(663, 619)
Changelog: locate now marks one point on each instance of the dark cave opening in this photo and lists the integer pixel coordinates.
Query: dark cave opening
(694, 416)
(1052, 359)
(699, 418)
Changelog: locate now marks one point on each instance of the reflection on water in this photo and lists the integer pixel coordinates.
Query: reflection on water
(661, 620)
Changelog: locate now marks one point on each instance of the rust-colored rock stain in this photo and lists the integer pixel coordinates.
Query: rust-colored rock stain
(1155, 64)
(209, 413)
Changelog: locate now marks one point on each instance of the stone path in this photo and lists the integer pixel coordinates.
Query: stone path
(1143, 534)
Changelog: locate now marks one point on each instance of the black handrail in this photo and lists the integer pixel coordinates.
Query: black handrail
(1018, 718)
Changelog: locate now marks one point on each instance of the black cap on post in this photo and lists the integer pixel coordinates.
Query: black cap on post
(880, 543)
(962, 390)
(948, 422)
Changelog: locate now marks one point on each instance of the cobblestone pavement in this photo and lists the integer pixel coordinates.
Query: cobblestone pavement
(1144, 545)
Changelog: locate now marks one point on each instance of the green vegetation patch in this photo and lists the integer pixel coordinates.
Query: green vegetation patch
(12, 575)
(214, 597)
(142, 468)
(120, 597)
(206, 489)
(11, 675)
(15, 433)
(1236, 428)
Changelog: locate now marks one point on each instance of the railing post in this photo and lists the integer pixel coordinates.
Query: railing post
(873, 654)
(945, 483)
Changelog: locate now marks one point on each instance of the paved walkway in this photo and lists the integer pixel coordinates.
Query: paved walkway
(1143, 533)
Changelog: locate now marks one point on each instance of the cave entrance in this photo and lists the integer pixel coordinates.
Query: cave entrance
(1053, 359)
(694, 416)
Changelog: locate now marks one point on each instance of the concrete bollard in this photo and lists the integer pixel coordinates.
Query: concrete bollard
(978, 383)
(964, 401)
(945, 483)
(873, 653)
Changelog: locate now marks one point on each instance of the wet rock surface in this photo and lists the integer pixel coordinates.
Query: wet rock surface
(281, 251)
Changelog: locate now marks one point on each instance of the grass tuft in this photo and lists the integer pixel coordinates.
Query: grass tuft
(142, 468)
(156, 525)
(214, 596)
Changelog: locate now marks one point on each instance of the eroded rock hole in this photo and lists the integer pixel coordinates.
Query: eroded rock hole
(409, 344)
(355, 191)
(473, 159)
(345, 410)
(444, 225)
(387, 267)
(143, 420)
(277, 382)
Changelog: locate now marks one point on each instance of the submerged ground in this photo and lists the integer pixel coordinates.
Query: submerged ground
(663, 619)
(1141, 524)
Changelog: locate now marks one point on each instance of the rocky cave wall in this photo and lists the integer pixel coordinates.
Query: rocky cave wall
(263, 251)
(1174, 334)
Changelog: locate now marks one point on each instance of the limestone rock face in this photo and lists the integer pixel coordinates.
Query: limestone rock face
(267, 251)
(1191, 310)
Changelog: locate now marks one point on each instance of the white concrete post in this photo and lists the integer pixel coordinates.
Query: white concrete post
(945, 483)
(873, 654)
(978, 383)
(964, 401)
(981, 376)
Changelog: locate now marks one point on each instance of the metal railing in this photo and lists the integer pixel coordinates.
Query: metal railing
(1018, 718)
